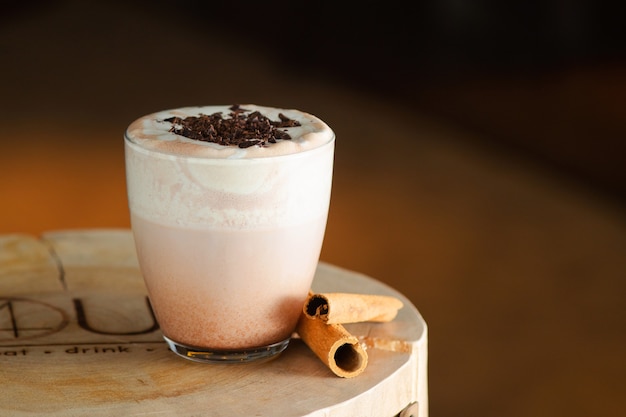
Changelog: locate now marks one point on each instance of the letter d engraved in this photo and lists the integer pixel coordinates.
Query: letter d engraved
(82, 321)
(23, 318)
(12, 321)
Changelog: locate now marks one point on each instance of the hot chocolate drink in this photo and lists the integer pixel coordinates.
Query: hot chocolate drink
(228, 208)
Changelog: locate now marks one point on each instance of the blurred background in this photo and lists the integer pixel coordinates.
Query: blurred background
(479, 165)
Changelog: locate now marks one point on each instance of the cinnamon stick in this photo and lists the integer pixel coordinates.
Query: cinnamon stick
(334, 308)
(334, 345)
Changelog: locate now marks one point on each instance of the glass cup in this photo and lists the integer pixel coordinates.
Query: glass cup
(228, 239)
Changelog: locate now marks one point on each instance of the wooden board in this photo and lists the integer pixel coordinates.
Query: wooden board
(77, 338)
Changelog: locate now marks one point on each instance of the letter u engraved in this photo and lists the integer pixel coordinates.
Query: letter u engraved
(82, 321)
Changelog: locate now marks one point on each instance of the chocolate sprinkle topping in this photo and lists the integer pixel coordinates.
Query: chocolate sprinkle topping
(242, 128)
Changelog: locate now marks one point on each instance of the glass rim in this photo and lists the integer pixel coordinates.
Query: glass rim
(173, 155)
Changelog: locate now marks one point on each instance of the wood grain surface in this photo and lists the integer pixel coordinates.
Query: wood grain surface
(77, 337)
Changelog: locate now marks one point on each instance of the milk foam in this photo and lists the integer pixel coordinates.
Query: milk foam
(152, 132)
(183, 182)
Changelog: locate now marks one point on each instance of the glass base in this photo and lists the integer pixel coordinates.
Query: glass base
(207, 355)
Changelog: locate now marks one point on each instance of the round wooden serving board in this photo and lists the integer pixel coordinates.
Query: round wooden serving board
(77, 338)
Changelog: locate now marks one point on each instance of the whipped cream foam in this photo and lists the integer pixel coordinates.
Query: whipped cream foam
(184, 182)
(153, 132)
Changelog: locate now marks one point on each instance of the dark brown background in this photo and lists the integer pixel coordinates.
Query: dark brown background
(479, 164)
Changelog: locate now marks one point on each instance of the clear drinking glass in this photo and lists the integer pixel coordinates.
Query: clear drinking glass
(228, 240)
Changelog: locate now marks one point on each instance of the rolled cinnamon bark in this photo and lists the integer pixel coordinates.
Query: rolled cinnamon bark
(351, 308)
(334, 345)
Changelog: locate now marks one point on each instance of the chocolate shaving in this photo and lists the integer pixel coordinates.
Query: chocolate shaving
(242, 128)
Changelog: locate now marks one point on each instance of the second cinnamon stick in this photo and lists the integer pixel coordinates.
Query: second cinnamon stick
(351, 308)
